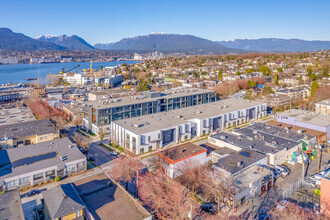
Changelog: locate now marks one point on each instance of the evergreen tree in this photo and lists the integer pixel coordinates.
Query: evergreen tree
(276, 78)
(314, 87)
(220, 74)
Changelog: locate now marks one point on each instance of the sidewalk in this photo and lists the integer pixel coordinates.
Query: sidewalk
(66, 180)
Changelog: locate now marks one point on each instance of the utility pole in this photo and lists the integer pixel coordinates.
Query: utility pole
(319, 154)
(303, 163)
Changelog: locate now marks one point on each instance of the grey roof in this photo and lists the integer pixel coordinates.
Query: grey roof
(23, 129)
(62, 200)
(279, 133)
(10, 205)
(75, 108)
(22, 160)
(249, 140)
(14, 115)
(128, 100)
(308, 117)
(158, 121)
(182, 151)
(239, 160)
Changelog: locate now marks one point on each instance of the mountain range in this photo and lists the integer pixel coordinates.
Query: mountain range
(162, 42)
(16, 41)
(168, 43)
(69, 42)
(277, 45)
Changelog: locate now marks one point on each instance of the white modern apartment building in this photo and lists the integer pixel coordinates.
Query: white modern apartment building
(150, 132)
(75, 79)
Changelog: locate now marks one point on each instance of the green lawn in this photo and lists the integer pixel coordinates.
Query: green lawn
(103, 145)
(81, 133)
(117, 147)
(92, 162)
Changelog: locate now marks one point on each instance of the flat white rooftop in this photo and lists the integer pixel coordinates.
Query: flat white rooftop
(158, 121)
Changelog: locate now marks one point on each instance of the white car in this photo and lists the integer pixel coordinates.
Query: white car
(316, 177)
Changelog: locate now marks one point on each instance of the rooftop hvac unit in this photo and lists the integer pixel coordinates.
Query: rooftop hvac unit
(239, 163)
(222, 137)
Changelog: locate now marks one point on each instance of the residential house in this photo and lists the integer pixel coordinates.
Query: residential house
(63, 202)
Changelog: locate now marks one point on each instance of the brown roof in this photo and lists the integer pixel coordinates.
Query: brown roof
(296, 128)
(181, 152)
(106, 200)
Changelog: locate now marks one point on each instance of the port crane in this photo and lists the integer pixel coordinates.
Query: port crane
(66, 71)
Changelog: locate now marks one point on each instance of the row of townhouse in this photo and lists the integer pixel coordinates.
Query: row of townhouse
(150, 132)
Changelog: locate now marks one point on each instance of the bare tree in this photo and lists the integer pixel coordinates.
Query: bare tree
(125, 169)
(216, 190)
(77, 121)
(60, 122)
(292, 211)
(165, 196)
(193, 176)
(101, 134)
(81, 141)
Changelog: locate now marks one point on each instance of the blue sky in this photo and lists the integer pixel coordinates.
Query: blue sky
(102, 21)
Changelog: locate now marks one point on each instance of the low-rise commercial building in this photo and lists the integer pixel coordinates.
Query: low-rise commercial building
(306, 119)
(276, 149)
(321, 137)
(15, 115)
(74, 111)
(37, 163)
(26, 133)
(177, 159)
(150, 132)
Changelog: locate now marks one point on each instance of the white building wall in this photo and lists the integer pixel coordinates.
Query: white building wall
(175, 170)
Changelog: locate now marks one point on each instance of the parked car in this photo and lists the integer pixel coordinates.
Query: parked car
(316, 176)
(210, 207)
(33, 192)
(114, 153)
(277, 173)
(91, 158)
(284, 170)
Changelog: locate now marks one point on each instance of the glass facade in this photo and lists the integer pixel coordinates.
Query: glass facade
(105, 116)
